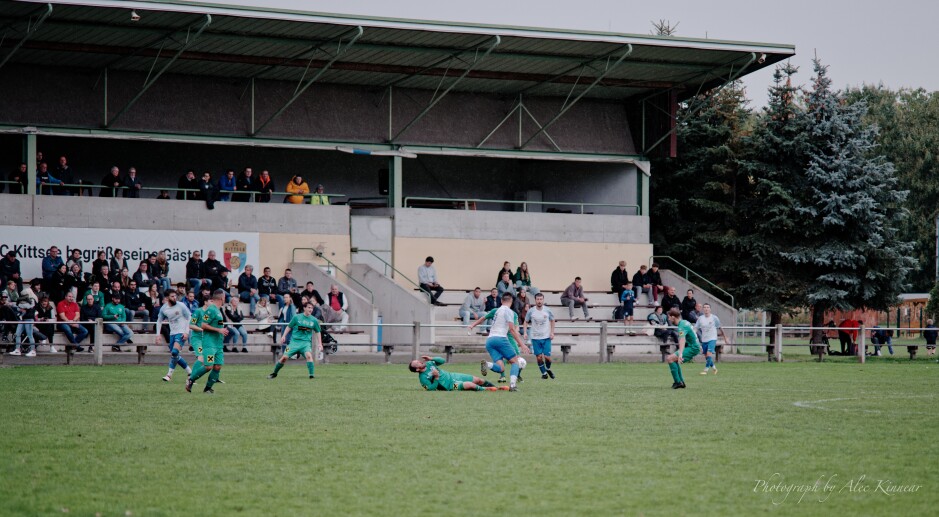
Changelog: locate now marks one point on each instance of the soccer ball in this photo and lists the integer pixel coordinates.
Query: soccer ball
(521, 363)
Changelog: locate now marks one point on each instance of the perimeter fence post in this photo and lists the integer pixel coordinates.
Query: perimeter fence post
(99, 342)
(861, 344)
(779, 343)
(416, 341)
(604, 355)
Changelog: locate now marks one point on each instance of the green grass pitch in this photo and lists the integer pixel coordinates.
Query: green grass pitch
(366, 440)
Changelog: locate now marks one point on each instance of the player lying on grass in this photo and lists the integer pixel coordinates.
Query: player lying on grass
(688, 347)
(434, 379)
(503, 342)
(303, 330)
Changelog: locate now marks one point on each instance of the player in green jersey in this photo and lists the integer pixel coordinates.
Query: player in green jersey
(195, 341)
(434, 379)
(499, 366)
(303, 329)
(688, 347)
(213, 333)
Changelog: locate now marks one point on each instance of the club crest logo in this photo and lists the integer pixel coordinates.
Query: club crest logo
(236, 254)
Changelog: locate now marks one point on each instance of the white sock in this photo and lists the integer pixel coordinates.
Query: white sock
(512, 380)
(189, 369)
(488, 365)
(169, 372)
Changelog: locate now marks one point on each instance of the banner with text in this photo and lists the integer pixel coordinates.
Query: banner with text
(31, 243)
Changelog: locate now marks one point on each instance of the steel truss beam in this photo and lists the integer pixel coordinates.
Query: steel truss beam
(355, 33)
(152, 78)
(731, 78)
(523, 110)
(568, 105)
(496, 40)
(450, 57)
(31, 29)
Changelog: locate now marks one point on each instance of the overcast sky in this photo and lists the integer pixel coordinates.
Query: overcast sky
(863, 41)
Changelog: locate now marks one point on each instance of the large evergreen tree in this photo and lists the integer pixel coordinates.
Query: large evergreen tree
(849, 209)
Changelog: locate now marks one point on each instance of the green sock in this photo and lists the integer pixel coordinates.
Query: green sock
(277, 367)
(673, 368)
(213, 377)
(198, 370)
(480, 388)
(681, 376)
(309, 367)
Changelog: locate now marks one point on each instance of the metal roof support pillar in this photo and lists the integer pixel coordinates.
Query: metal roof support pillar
(29, 150)
(568, 105)
(189, 41)
(356, 34)
(30, 30)
(395, 191)
(496, 40)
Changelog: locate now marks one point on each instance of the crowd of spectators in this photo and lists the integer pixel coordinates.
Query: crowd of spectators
(70, 294)
(244, 187)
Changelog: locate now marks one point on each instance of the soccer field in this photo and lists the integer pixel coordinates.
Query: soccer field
(607, 439)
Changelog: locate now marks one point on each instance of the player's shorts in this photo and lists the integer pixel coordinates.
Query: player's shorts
(212, 356)
(499, 348)
(198, 350)
(541, 346)
(301, 348)
(689, 352)
(457, 380)
(175, 338)
(708, 346)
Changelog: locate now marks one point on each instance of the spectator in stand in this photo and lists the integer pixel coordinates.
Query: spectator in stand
(628, 299)
(265, 313)
(75, 281)
(474, 306)
(98, 263)
(114, 316)
(879, 337)
(208, 191)
(118, 262)
(523, 279)
(688, 304)
(96, 293)
(574, 297)
(222, 283)
(267, 288)
(56, 285)
(111, 183)
(336, 308)
(696, 313)
(136, 305)
(234, 316)
(46, 318)
(19, 177)
(161, 269)
(287, 287)
(69, 314)
(133, 184)
(104, 278)
(618, 279)
(319, 198)
(75, 258)
(287, 313)
(12, 292)
(66, 175)
(299, 188)
(189, 182)
(116, 287)
(154, 300)
(51, 263)
(90, 311)
(265, 186)
(505, 285)
(427, 278)
(506, 268)
(930, 335)
(642, 284)
(164, 194)
(10, 269)
(521, 304)
(45, 181)
(227, 185)
(670, 300)
(190, 301)
(312, 294)
(246, 186)
(493, 301)
(124, 279)
(142, 276)
(658, 320)
(248, 288)
(212, 269)
(195, 272)
(655, 278)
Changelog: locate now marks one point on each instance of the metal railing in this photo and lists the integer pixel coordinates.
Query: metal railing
(393, 269)
(467, 202)
(319, 254)
(688, 270)
(187, 196)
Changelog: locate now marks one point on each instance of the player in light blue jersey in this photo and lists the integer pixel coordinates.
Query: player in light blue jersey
(178, 315)
(497, 344)
(540, 321)
(709, 325)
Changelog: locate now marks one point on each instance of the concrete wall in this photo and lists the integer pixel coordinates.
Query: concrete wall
(59, 96)
(360, 307)
(723, 310)
(396, 304)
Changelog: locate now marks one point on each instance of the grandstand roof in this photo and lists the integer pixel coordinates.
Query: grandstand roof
(255, 42)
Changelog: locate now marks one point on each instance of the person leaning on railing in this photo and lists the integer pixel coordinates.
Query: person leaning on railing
(110, 183)
(189, 182)
(18, 176)
(265, 185)
(298, 187)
